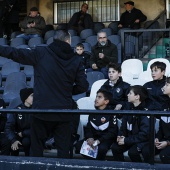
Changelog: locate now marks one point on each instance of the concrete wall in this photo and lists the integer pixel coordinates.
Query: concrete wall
(151, 8)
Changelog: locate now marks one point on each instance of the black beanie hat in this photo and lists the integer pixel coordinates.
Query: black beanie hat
(24, 93)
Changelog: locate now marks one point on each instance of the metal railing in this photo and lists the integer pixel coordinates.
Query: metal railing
(152, 115)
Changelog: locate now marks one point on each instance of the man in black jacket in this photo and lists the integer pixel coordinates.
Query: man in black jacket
(103, 53)
(132, 17)
(58, 74)
(81, 20)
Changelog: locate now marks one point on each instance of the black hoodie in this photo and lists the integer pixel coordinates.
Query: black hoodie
(58, 74)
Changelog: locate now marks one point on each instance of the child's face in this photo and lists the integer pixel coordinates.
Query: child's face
(132, 97)
(79, 50)
(100, 101)
(157, 74)
(166, 89)
(113, 74)
(29, 99)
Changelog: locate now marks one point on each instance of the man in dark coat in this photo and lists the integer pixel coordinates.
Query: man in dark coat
(81, 20)
(58, 74)
(103, 53)
(132, 17)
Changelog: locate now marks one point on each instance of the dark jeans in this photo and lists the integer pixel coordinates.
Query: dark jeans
(5, 145)
(40, 130)
(133, 153)
(164, 154)
(103, 147)
(26, 142)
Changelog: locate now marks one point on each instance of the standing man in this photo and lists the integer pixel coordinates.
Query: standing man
(103, 53)
(132, 17)
(81, 20)
(58, 74)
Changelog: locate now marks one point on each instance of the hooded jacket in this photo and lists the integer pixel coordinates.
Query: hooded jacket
(157, 100)
(58, 74)
(119, 91)
(18, 123)
(135, 128)
(110, 54)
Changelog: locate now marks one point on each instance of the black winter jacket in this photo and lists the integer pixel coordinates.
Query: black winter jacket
(58, 74)
(109, 51)
(127, 19)
(119, 91)
(135, 128)
(18, 123)
(85, 58)
(158, 100)
(102, 127)
(87, 24)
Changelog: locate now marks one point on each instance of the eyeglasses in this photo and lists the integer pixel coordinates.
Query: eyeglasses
(102, 37)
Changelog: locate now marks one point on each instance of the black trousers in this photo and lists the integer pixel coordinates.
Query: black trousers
(26, 142)
(103, 147)
(133, 153)
(40, 130)
(164, 154)
(5, 145)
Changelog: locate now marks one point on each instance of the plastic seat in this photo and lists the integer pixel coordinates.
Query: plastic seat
(79, 96)
(75, 40)
(28, 70)
(108, 31)
(12, 90)
(48, 35)
(31, 82)
(96, 86)
(133, 66)
(145, 76)
(12, 77)
(92, 40)
(3, 61)
(10, 67)
(15, 33)
(127, 77)
(87, 47)
(72, 32)
(3, 41)
(167, 71)
(17, 41)
(86, 33)
(23, 46)
(114, 26)
(129, 49)
(94, 76)
(33, 42)
(115, 39)
(50, 40)
(98, 26)
(14, 103)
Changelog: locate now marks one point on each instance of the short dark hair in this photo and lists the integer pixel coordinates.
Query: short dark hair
(141, 91)
(80, 45)
(115, 66)
(62, 35)
(158, 64)
(107, 94)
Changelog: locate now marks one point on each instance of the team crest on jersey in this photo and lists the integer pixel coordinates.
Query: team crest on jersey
(19, 116)
(103, 119)
(118, 90)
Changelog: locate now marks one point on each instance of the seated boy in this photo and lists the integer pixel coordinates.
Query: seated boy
(18, 125)
(157, 100)
(84, 56)
(116, 86)
(101, 129)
